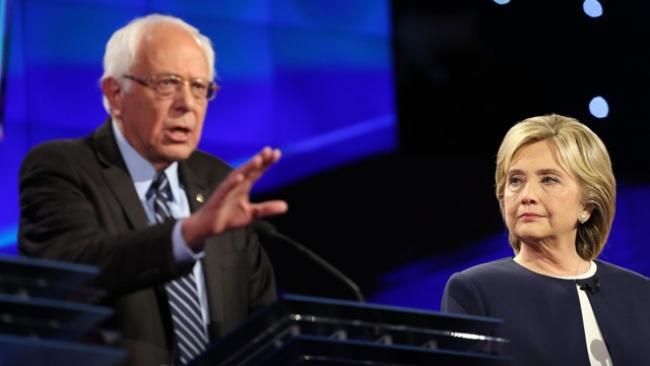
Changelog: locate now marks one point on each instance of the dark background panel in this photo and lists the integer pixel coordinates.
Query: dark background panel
(465, 72)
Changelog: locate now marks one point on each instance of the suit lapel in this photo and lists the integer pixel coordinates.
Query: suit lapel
(117, 176)
(198, 191)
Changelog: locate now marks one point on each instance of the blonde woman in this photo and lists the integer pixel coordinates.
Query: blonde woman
(560, 304)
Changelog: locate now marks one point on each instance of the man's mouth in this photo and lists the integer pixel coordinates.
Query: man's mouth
(178, 134)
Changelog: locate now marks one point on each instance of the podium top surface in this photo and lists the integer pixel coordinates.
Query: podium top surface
(304, 306)
(359, 331)
(36, 277)
(18, 264)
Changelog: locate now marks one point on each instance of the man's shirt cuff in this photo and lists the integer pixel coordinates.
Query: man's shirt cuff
(183, 253)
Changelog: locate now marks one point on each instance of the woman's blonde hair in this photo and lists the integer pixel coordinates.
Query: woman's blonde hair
(585, 155)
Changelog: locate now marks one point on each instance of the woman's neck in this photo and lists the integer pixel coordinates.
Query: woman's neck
(552, 260)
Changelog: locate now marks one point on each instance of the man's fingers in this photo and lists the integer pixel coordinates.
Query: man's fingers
(253, 163)
(230, 207)
(258, 164)
(269, 157)
(257, 161)
(233, 180)
(268, 208)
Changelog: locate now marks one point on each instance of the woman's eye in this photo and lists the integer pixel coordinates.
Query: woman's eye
(549, 180)
(514, 181)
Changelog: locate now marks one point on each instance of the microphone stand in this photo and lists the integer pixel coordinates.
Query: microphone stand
(265, 229)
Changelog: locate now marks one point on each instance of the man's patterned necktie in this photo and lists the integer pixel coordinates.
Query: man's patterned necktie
(185, 308)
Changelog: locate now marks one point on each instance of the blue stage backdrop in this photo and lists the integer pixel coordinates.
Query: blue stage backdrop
(313, 78)
(3, 41)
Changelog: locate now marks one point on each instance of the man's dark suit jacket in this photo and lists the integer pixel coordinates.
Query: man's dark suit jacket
(79, 204)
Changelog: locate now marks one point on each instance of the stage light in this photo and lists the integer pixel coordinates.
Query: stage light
(502, 2)
(592, 8)
(598, 107)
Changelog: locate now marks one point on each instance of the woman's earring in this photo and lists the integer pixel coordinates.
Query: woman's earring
(583, 217)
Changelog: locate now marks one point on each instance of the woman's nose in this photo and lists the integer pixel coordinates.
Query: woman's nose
(529, 194)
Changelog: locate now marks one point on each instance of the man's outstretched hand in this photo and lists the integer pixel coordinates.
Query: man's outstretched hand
(229, 207)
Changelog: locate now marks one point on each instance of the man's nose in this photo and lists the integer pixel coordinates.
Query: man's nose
(184, 99)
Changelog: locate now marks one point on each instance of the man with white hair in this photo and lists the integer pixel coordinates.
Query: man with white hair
(167, 224)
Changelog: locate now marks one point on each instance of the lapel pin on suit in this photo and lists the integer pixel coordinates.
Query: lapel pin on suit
(199, 198)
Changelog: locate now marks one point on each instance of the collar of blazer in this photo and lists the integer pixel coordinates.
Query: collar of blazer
(120, 183)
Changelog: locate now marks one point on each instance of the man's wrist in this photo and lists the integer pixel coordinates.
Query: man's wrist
(191, 231)
(183, 251)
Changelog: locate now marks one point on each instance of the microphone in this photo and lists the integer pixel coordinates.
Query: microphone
(592, 288)
(266, 230)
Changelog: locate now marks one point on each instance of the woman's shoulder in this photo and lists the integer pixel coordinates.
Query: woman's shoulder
(496, 268)
(617, 273)
(488, 284)
(497, 275)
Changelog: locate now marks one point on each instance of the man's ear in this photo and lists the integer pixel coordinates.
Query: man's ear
(115, 94)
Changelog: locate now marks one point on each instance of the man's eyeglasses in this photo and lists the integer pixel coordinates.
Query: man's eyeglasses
(169, 85)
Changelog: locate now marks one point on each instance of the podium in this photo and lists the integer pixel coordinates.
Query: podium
(301, 330)
(47, 316)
